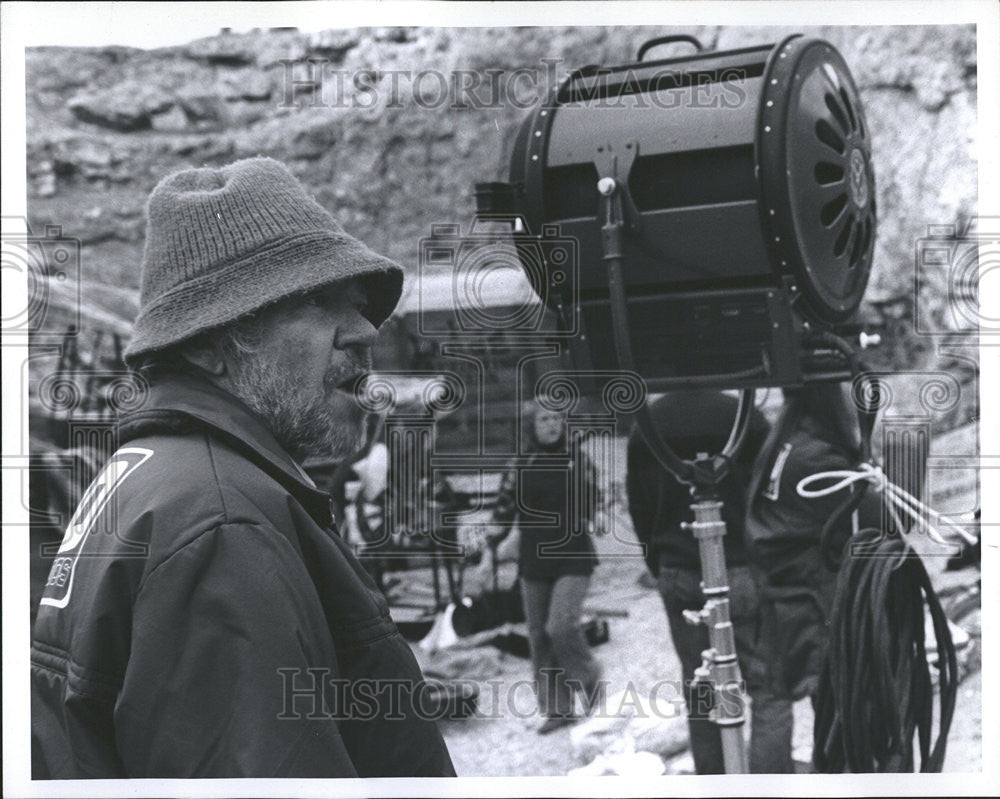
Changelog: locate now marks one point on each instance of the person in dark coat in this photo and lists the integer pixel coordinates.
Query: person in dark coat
(693, 422)
(552, 498)
(817, 431)
(202, 618)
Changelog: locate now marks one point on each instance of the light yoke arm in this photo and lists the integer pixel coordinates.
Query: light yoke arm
(617, 212)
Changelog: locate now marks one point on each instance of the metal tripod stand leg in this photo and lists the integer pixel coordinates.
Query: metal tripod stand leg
(720, 666)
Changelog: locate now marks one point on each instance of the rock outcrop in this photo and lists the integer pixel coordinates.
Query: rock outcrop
(390, 127)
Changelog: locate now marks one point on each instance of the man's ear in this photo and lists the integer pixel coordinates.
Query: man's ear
(206, 357)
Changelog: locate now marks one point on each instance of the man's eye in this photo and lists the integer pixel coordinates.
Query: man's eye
(327, 301)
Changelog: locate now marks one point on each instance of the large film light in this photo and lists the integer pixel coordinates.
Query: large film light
(748, 192)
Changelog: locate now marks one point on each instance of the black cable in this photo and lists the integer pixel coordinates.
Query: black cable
(831, 545)
(738, 433)
(612, 231)
(614, 215)
(867, 412)
(875, 691)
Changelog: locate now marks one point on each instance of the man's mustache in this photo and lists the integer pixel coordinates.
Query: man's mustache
(348, 376)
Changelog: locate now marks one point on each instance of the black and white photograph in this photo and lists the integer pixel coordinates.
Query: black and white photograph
(500, 399)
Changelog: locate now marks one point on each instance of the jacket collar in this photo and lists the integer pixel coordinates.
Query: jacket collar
(182, 403)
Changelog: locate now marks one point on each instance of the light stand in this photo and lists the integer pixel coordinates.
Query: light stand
(720, 666)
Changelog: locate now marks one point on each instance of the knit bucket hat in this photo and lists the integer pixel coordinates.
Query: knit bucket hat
(223, 243)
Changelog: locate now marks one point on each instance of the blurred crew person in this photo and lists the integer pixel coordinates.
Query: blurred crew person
(556, 558)
(817, 431)
(202, 618)
(693, 422)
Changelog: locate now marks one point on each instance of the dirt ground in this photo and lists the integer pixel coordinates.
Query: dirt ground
(501, 740)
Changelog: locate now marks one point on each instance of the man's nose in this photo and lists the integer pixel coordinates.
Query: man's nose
(357, 332)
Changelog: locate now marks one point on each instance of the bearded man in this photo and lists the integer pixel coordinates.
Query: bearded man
(202, 618)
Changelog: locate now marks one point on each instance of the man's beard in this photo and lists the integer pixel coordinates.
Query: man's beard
(303, 421)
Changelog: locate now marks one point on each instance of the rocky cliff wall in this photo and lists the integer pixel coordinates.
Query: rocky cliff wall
(368, 119)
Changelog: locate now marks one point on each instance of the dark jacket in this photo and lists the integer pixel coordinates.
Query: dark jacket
(553, 498)
(203, 620)
(783, 530)
(691, 422)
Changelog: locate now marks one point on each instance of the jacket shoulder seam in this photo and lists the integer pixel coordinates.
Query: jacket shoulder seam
(195, 539)
(215, 474)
